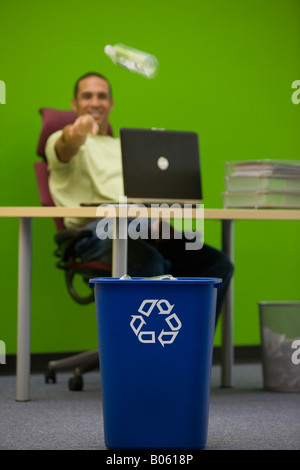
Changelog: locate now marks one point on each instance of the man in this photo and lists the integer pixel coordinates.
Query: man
(85, 165)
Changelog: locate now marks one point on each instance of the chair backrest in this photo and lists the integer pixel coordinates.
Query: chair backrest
(52, 121)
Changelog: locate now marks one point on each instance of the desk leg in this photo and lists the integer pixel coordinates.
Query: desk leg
(24, 310)
(227, 318)
(120, 242)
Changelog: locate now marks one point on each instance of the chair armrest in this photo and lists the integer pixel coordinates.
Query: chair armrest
(66, 241)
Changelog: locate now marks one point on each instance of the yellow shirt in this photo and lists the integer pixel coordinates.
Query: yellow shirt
(93, 174)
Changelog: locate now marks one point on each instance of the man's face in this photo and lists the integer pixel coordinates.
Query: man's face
(93, 98)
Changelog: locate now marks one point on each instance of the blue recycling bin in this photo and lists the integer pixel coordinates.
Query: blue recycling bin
(155, 348)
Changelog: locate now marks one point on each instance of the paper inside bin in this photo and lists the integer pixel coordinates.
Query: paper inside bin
(280, 373)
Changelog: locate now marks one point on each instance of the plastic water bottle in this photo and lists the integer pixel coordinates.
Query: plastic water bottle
(133, 59)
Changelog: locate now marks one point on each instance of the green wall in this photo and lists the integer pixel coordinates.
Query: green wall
(226, 70)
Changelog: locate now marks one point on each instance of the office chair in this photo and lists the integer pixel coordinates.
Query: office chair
(66, 239)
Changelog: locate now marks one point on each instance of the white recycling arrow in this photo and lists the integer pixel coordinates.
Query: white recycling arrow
(171, 335)
(171, 325)
(152, 303)
(163, 307)
(133, 322)
(147, 333)
(168, 305)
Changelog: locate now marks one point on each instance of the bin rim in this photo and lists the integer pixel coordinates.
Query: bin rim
(217, 282)
(279, 303)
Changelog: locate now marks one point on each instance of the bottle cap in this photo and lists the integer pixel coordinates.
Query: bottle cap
(108, 49)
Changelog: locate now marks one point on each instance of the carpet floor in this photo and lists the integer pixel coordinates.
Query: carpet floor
(244, 417)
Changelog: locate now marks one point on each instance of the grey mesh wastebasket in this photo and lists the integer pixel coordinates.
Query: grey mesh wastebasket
(280, 341)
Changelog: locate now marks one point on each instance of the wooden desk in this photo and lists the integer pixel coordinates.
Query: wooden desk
(26, 214)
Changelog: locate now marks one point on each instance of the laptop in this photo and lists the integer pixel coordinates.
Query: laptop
(160, 166)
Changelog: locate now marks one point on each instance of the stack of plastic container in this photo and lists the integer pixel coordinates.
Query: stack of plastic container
(262, 183)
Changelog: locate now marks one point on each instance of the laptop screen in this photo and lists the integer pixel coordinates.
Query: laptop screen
(161, 165)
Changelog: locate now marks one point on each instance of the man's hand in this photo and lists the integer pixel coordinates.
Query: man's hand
(82, 126)
(74, 136)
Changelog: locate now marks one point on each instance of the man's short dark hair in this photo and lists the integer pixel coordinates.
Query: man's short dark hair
(91, 74)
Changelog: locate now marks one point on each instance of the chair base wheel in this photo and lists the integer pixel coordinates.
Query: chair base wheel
(76, 383)
(50, 377)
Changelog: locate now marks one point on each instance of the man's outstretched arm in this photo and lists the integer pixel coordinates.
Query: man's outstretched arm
(74, 136)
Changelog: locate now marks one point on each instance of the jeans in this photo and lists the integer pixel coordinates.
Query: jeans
(148, 258)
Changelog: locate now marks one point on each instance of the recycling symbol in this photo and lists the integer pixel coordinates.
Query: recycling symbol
(152, 307)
